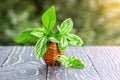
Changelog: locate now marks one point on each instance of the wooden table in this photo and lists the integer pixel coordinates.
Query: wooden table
(19, 63)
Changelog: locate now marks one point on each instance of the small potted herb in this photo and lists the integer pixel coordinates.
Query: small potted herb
(51, 42)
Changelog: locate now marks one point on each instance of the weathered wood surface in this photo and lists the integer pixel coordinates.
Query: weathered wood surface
(106, 61)
(19, 63)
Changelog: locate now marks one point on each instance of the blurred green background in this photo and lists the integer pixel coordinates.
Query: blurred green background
(97, 22)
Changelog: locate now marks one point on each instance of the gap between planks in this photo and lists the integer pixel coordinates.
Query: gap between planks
(92, 64)
(7, 57)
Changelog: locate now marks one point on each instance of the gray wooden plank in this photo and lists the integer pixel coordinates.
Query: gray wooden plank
(4, 53)
(61, 73)
(23, 65)
(106, 61)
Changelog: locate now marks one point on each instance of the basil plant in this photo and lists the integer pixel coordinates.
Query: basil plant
(47, 33)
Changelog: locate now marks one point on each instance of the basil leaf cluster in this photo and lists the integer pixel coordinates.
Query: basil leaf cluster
(45, 34)
(70, 61)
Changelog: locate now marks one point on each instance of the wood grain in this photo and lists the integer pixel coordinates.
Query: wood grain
(101, 63)
(22, 65)
(106, 61)
(61, 73)
(4, 53)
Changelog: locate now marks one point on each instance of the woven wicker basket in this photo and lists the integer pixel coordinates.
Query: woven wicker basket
(51, 54)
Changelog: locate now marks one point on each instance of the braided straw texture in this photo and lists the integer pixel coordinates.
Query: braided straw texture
(51, 54)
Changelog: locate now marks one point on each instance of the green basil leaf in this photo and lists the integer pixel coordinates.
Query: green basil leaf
(74, 40)
(25, 37)
(38, 32)
(63, 44)
(49, 18)
(66, 26)
(78, 64)
(41, 47)
(58, 28)
(62, 58)
(70, 61)
(42, 51)
(53, 39)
